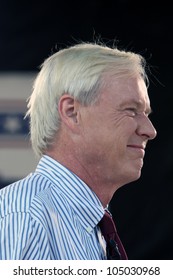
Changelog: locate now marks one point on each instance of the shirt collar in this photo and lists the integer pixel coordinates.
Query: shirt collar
(80, 197)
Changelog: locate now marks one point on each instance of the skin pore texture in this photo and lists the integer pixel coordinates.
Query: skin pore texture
(104, 143)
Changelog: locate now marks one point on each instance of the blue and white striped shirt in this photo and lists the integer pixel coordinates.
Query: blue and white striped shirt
(50, 215)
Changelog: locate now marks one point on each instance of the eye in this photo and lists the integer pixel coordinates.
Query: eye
(132, 111)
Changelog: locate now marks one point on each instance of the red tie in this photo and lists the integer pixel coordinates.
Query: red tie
(114, 247)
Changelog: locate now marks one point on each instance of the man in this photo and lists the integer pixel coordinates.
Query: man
(89, 123)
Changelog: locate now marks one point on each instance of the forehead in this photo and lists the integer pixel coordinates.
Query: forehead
(126, 90)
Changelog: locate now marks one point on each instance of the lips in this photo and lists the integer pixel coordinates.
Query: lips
(136, 146)
(139, 149)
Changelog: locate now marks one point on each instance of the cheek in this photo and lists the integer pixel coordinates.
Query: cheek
(121, 137)
(128, 127)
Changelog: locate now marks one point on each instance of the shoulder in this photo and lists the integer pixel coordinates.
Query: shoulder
(19, 196)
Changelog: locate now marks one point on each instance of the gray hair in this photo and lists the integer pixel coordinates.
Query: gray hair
(79, 71)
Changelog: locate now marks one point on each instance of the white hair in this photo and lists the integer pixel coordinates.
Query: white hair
(79, 71)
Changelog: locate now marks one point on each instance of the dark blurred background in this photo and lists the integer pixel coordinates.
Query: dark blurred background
(31, 31)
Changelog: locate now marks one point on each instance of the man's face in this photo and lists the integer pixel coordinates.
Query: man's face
(115, 131)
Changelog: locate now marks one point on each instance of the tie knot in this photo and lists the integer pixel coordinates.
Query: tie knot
(115, 249)
(107, 226)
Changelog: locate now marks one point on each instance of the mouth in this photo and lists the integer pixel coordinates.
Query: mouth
(136, 146)
(140, 149)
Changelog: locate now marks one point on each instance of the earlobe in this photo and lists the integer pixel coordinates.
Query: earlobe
(68, 110)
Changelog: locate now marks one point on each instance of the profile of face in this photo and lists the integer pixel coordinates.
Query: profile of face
(115, 130)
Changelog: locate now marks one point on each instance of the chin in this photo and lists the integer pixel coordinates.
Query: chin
(136, 176)
(133, 175)
(129, 178)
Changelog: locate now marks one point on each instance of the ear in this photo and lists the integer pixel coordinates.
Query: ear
(68, 109)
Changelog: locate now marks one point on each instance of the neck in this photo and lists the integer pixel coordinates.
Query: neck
(91, 176)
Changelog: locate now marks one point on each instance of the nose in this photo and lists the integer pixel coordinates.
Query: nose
(145, 128)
